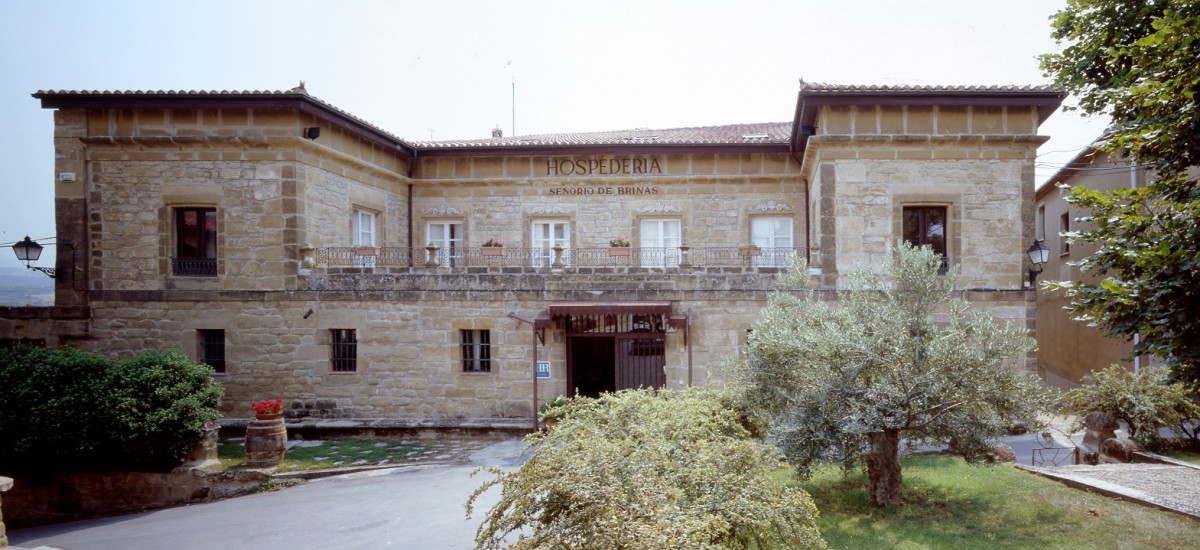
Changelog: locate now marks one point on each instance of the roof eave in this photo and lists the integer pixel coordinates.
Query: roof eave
(599, 149)
(301, 102)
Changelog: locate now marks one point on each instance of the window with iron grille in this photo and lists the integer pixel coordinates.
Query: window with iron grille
(195, 242)
(476, 351)
(343, 349)
(12, 343)
(212, 348)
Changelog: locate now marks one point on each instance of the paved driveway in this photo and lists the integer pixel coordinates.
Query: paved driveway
(419, 508)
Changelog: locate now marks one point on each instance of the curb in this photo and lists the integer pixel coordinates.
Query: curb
(1109, 489)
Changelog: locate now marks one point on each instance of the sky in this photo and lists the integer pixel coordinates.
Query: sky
(456, 69)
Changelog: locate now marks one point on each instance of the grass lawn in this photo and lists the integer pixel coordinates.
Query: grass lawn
(950, 504)
(1186, 456)
(329, 453)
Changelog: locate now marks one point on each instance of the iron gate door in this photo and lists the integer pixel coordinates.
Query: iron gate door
(641, 362)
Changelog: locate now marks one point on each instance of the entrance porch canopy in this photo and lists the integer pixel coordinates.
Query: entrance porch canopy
(564, 309)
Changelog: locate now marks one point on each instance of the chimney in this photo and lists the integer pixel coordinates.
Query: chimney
(497, 133)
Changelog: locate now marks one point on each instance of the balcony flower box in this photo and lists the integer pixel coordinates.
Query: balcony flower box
(366, 251)
(619, 251)
(748, 250)
(492, 250)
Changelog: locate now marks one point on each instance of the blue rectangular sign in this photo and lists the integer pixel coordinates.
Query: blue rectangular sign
(543, 369)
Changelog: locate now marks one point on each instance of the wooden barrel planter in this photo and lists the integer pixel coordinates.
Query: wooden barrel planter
(266, 441)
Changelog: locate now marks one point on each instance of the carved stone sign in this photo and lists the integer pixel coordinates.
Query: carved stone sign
(603, 167)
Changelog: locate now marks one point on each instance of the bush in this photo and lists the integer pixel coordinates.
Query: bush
(648, 470)
(1144, 401)
(67, 410)
(161, 401)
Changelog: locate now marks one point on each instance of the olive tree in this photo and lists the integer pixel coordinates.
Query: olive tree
(648, 470)
(894, 357)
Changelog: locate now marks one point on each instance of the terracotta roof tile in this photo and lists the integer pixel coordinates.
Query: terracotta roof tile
(817, 87)
(768, 132)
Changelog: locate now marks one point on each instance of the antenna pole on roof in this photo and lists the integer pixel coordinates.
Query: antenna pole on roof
(514, 106)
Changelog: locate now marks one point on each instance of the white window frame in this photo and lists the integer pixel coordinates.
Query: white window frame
(449, 241)
(362, 233)
(651, 240)
(775, 245)
(544, 237)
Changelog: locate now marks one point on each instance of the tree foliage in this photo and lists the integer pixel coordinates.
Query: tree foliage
(1144, 400)
(648, 470)
(845, 380)
(1139, 62)
(67, 410)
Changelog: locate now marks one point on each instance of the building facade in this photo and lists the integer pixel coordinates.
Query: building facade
(310, 256)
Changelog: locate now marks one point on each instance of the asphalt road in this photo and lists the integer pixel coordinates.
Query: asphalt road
(417, 508)
(399, 509)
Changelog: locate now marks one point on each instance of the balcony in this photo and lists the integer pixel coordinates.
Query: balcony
(721, 259)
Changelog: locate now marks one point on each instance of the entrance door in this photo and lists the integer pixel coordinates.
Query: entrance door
(600, 364)
(592, 369)
(641, 362)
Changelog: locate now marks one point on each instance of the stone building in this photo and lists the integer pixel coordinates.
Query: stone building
(311, 256)
(1067, 348)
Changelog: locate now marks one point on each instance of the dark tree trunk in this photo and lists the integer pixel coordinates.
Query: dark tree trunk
(883, 467)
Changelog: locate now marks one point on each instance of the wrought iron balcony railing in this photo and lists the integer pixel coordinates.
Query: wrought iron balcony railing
(551, 258)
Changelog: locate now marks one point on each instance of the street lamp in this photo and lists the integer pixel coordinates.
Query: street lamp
(29, 251)
(1038, 255)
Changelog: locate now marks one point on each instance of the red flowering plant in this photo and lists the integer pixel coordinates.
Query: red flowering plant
(268, 407)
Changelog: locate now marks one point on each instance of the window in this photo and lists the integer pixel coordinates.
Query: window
(476, 350)
(195, 242)
(343, 349)
(212, 348)
(774, 237)
(926, 225)
(362, 233)
(13, 343)
(546, 236)
(660, 241)
(1064, 225)
(1040, 231)
(448, 237)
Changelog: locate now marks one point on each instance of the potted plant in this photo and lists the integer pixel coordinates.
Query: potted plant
(551, 412)
(268, 410)
(618, 246)
(492, 247)
(749, 249)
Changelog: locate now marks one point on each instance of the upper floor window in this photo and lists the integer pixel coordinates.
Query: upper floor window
(659, 241)
(1040, 230)
(1064, 226)
(362, 232)
(212, 349)
(774, 237)
(926, 225)
(448, 237)
(195, 242)
(546, 236)
(362, 226)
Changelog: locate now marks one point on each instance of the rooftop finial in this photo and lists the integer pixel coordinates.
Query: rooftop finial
(299, 89)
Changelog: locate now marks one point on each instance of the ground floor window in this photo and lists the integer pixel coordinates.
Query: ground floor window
(212, 349)
(343, 349)
(476, 350)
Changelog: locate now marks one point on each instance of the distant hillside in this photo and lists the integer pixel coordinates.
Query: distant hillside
(25, 287)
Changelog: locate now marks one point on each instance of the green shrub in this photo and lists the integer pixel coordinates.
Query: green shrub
(648, 470)
(51, 408)
(161, 400)
(1145, 401)
(67, 410)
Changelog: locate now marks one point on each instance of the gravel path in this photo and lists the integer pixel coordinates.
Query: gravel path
(1177, 485)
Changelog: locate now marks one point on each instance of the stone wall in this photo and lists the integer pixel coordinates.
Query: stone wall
(74, 496)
